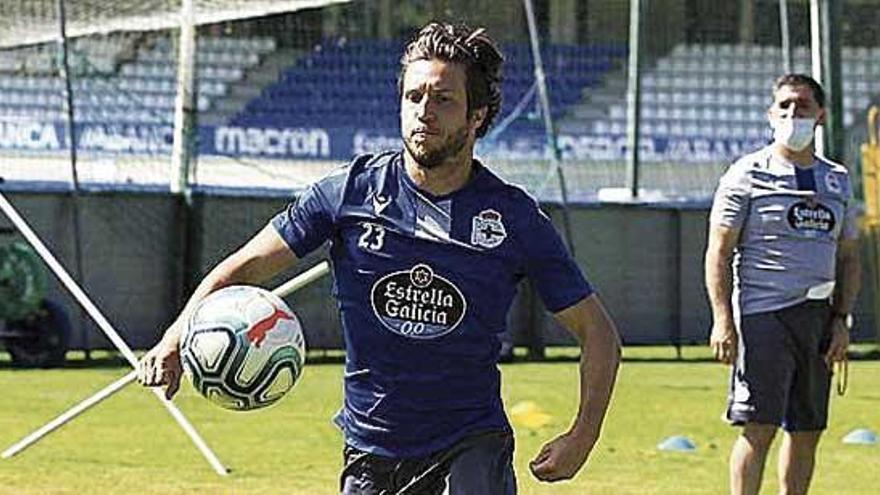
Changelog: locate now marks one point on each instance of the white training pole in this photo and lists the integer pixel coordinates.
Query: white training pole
(302, 280)
(66, 280)
(190, 430)
(109, 390)
(105, 325)
(70, 414)
(285, 289)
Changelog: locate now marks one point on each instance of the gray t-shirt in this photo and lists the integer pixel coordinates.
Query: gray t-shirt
(791, 218)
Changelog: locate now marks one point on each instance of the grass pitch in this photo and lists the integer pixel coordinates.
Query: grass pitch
(130, 444)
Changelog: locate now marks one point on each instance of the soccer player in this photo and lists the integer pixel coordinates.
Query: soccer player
(785, 219)
(428, 247)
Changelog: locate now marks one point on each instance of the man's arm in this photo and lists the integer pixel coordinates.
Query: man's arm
(262, 257)
(719, 285)
(590, 324)
(849, 276)
(846, 289)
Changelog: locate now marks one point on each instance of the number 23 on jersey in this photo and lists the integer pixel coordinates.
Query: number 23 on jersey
(372, 238)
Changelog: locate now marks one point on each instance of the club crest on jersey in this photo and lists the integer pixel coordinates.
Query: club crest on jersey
(811, 217)
(418, 303)
(487, 230)
(832, 183)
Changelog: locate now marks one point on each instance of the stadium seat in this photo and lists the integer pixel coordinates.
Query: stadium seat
(722, 90)
(353, 82)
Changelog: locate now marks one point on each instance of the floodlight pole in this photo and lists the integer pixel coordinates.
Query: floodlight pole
(184, 106)
(830, 75)
(70, 125)
(183, 148)
(824, 19)
(785, 36)
(633, 99)
(544, 98)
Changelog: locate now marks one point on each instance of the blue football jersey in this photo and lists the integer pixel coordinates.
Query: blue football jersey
(423, 285)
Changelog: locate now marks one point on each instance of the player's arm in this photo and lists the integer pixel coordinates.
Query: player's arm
(846, 289)
(599, 341)
(719, 286)
(262, 257)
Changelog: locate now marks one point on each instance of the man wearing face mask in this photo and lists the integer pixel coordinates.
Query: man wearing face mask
(782, 273)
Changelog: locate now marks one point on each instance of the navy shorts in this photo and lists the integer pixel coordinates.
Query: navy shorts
(780, 376)
(481, 464)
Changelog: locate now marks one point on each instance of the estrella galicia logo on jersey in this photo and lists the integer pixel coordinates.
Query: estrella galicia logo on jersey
(811, 216)
(417, 303)
(487, 230)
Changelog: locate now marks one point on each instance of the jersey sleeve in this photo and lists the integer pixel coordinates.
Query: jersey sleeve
(307, 222)
(548, 264)
(730, 205)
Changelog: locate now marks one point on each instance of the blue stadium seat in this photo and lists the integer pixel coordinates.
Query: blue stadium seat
(342, 83)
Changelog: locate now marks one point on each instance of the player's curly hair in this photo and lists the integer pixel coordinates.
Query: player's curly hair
(472, 48)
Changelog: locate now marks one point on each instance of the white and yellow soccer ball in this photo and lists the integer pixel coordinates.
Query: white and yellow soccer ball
(243, 348)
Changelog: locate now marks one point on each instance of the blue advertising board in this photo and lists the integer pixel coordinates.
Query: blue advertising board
(318, 143)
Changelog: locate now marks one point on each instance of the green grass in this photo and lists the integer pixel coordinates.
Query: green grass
(130, 444)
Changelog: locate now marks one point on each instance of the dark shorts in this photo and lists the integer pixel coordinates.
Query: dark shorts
(780, 376)
(481, 464)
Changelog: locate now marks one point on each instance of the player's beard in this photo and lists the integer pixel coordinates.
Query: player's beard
(428, 157)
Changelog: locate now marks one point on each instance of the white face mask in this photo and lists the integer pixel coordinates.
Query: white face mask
(794, 133)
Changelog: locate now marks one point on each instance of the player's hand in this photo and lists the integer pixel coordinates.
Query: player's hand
(161, 367)
(723, 342)
(839, 342)
(561, 458)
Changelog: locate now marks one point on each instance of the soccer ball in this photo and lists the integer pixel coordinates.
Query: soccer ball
(243, 348)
